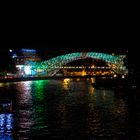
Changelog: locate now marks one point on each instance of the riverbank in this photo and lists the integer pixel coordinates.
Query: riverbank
(125, 83)
(45, 78)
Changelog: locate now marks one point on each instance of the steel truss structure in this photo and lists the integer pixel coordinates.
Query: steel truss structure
(52, 66)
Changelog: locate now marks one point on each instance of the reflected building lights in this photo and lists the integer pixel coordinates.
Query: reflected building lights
(39, 88)
(24, 86)
(91, 90)
(1, 84)
(31, 104)
(24, 101)
(6, 126)
(66, 83)
(62, 115)
(66, 80)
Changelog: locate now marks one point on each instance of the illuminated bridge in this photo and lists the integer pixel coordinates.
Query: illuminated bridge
(52, 66)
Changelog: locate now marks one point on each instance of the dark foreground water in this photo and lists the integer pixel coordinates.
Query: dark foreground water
(68, 109)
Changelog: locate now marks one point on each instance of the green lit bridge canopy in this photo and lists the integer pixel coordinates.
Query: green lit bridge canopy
(49, 66)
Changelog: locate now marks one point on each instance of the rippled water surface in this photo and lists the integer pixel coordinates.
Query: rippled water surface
(68, 109)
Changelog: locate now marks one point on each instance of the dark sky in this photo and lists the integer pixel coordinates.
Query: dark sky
(108, 32)
(70, 45)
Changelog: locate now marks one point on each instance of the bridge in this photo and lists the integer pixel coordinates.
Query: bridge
(52, 66)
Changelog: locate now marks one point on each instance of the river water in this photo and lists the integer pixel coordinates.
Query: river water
(68, 109)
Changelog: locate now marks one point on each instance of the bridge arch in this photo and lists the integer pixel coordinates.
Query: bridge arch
(48, 67)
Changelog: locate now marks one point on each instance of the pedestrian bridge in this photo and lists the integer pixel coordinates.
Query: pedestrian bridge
(52, 66)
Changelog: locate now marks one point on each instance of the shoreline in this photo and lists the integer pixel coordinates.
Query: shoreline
(47, 78)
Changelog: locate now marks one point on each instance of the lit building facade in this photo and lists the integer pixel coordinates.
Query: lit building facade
(21, 59)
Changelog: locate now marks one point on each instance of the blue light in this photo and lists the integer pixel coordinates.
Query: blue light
(6, 126)
(14, 55)
(28, 50)
(33, 72)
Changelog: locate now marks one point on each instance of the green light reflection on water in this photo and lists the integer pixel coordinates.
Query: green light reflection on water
(40, 105)
(39, 87)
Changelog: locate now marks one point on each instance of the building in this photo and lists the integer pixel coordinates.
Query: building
(21, 58)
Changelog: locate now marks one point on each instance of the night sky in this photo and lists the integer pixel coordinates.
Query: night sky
(103, 32)
(58, 46)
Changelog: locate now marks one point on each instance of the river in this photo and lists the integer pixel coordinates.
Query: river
(68, 109)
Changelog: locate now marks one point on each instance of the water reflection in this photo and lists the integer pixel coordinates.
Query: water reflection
(24, 111)
(39, 108)
(31, 109)
(1, 84)
(91, 90)
(66, 83)
(38, 88)
(65, 109)
(6, 126)
(106, 115)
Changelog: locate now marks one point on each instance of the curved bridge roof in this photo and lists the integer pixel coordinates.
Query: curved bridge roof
(61, 60)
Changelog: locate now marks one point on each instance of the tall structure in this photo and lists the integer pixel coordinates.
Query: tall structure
(21, 59)
(29, 55)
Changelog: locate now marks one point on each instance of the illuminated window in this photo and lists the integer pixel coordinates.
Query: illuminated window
(27, 70)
